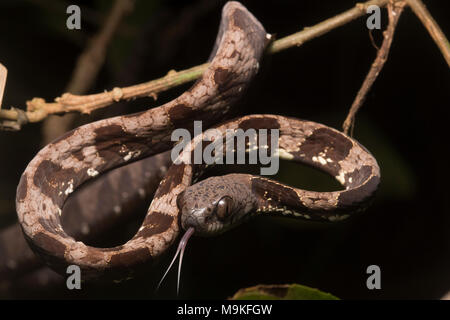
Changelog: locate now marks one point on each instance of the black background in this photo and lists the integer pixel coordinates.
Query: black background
(404, 123)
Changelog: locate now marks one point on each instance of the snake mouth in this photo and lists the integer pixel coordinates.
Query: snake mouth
(202, 222)
(197, 221)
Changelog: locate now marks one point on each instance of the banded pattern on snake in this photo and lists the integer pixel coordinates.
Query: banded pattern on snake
(88, 151)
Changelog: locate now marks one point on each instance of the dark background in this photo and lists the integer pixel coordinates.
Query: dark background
(404, 123)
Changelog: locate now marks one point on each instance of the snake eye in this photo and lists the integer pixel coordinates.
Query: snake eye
(224, 207)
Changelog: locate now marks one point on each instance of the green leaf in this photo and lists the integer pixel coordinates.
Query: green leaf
(282, 292)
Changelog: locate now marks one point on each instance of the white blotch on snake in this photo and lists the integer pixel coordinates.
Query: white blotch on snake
(128, 156)
(319, 159)
(132, 154)
(341, 177)
(283, 154)
(69, 189)
(92, 172)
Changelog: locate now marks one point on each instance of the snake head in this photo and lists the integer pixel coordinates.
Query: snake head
(214, 205)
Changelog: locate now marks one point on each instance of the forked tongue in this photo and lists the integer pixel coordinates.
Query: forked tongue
(180, 250)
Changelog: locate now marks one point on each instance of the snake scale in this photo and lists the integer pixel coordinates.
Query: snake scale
(209, 206)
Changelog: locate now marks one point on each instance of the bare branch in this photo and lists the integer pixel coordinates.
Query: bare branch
(297, 39)
(394, 11)
(38, 109)
(87, 67)
(433, 28)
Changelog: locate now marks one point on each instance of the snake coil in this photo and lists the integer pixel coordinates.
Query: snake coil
(90, 150)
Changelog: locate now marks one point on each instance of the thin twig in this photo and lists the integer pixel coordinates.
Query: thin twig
(88, 66)
(372, 40)
(86, 104)
(297, 39)
(394, 11)
(433, 28)
(38, 109)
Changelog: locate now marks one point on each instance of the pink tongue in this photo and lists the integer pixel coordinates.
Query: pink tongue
(181, 247)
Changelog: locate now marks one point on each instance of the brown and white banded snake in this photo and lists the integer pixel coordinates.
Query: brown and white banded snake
(207, 207)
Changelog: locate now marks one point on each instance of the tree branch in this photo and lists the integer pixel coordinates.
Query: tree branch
(309, 33)
(38, 109)
(394, 11)
(433, 28)
(87, 67)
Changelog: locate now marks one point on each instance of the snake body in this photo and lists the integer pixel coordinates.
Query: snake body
(91, 150)
(240, 195)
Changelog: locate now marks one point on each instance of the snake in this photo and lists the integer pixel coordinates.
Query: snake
(181, 202)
